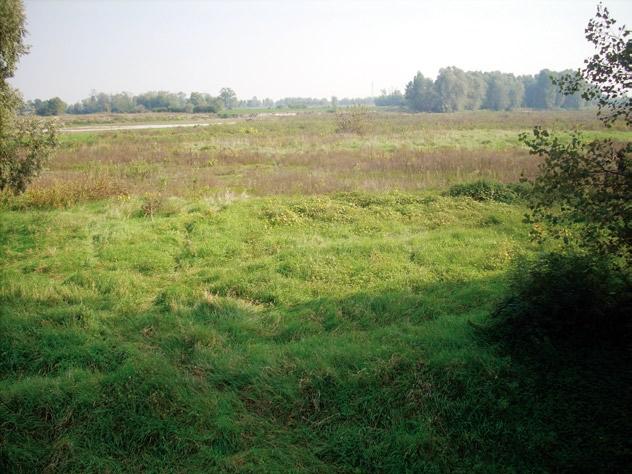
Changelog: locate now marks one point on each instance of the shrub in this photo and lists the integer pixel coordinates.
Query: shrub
(353, 120)
(569, 297)
(483, 190)
(24, 150)
(152, 204)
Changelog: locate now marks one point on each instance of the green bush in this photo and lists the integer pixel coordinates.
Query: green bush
(566, 298)
(483, 190)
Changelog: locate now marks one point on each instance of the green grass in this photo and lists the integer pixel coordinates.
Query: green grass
(275, 296)
(285, 334)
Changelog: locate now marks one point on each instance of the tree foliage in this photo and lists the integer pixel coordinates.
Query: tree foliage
(228, 97)
(607, 75)
(583, 193)
(25, 145)
(579, 295)
(54, 106)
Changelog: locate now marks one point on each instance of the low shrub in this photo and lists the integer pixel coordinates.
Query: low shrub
(66, 193)
(354, 120)
(152, 204)
(483, 190)
(565, 298)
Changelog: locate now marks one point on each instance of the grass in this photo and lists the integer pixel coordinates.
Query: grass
(197, 330)
(305, 155)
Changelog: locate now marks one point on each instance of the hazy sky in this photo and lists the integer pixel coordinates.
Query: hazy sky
(291, 48)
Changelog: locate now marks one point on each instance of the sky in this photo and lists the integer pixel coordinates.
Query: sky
(291, 48)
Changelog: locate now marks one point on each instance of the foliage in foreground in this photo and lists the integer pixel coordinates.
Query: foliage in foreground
(25, 145)
(583, 197)
(583, 192)
(568, 299)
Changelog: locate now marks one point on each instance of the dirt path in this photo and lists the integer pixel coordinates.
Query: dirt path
(108, 128)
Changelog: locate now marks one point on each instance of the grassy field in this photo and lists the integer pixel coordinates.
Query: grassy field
(278, 296)
(301, 155)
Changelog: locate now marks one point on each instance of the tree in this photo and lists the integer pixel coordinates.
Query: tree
(420, 94)
(54, 106)
(392, 99)
(228, 97)
(451, 89)
(25, 144)
(476, 90)
(497, 92)
(579, 295)
(543, 93)
(607, 75)
(122, 103)
(583, 193)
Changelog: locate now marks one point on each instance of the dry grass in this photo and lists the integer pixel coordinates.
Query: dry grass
(306, 154)
(52, 193)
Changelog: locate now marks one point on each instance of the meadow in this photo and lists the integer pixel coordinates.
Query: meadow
(278, 294)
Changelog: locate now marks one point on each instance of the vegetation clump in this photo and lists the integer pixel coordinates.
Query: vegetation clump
(485, 190)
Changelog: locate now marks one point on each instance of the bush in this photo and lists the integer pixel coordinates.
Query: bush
(483, 190)
(354, 120)
(24, 150)
(566, 298)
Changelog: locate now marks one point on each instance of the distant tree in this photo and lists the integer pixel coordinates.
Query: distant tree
(497, 97)
(204, 103)
(392, 99)
(451, 89)
(544, 94)
(54, 106)
(253, 102)
(420, 95)
(228, 97)
(476, 90)
(122, 103)
(25, 144)
(334, 102)
(516, 92)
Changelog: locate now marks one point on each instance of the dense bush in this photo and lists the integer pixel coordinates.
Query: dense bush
(484, 190)
(569, 297)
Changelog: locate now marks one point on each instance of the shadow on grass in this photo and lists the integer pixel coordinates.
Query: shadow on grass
(387, 382)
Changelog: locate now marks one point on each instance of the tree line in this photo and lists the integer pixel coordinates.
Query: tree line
(453, 90)
(163, 101)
